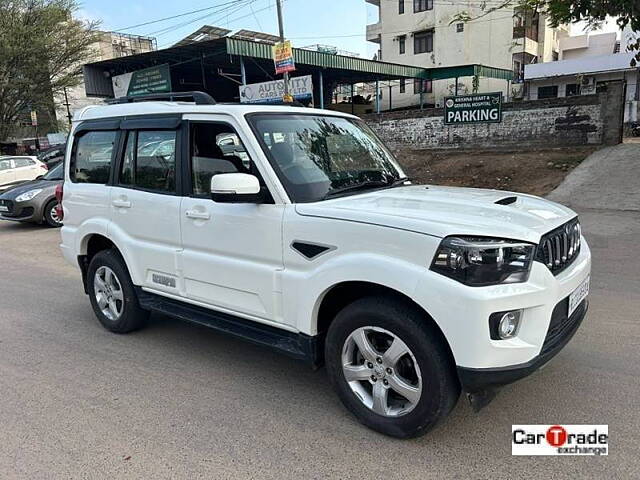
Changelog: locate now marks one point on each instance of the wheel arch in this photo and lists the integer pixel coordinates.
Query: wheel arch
(90, 245)
(342, 294)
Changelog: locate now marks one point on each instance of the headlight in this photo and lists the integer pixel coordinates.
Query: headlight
(477, 261)
(28, 195)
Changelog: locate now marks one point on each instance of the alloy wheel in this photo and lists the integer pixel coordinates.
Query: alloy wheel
(108, 293)
(381, 371)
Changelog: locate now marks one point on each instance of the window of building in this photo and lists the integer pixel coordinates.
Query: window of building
(402, 44)
(216, 148)
(403, 86)
(400, 7)
(423, 42)
(422, 5)
(149, 161)
(459, 27)
(573, 89)
(548, 92)
(91, 157)
(422, 86)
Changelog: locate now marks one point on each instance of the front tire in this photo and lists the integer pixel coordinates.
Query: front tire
(112, 294)
(51, 215)
(390, 368)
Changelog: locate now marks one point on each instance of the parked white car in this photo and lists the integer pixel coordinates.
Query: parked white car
(18, 169)
(322, 249)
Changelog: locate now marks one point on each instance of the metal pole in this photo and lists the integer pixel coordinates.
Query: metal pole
(66, 103)
(243, 72)
(352, 108)
(377, 96)
(321, 89)
(390, 96)
(421, 96)
(285, 76)
(456, 86)
(204, 77)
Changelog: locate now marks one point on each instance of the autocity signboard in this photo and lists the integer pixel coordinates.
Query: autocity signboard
(478, 108)
(270, 92)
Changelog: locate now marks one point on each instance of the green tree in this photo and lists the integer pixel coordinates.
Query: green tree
(42, 49)
(593, 12)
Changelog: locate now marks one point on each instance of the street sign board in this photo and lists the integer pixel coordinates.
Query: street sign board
(269, 92)
(142, 82)
(476, 108)
(283, 57)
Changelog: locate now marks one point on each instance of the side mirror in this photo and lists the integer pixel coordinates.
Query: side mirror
(235, 188)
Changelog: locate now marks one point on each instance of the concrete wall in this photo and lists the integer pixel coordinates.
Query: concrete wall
(561, 122)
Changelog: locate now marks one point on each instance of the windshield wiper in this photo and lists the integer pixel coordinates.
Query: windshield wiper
(366, 185)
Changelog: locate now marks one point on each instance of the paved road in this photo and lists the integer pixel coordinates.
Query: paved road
(180, 401)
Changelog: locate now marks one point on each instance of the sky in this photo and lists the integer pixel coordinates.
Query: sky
(340, 23)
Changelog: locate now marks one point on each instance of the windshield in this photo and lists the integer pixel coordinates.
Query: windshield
(56, 173)
(318, 156)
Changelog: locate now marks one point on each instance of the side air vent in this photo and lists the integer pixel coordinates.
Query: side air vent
(507, 200)
(310, 250)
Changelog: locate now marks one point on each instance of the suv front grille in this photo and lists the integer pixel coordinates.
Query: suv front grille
(560, 247)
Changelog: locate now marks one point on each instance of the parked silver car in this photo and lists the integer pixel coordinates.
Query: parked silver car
(34, 201)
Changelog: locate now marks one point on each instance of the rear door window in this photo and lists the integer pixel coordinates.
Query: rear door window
(91, 157)
(149, 161)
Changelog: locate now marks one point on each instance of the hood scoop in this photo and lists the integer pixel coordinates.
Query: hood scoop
(506, 201)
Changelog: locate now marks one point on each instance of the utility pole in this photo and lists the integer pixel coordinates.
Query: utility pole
(285, 75)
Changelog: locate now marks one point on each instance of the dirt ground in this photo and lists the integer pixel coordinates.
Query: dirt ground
(535, 172)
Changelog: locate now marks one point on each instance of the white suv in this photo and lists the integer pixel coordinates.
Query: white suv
(313, 242)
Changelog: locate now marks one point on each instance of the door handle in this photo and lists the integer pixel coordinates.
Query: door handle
(198, 215)
(121, 203)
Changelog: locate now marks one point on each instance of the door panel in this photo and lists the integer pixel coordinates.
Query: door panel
(7, 173)
(148, 224)
(231, 259)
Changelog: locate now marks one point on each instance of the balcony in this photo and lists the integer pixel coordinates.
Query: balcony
(374, 32)
(374, 2)
(525, 45)
(527, 32)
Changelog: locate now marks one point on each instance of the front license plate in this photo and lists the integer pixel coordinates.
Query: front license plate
(3, 208)
(578, 295)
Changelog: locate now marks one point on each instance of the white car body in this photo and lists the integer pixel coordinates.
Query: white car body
(19, 168)
(172, 244)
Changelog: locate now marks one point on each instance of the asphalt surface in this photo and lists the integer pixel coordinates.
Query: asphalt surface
(180, 401)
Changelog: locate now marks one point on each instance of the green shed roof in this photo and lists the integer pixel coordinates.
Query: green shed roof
(389, 70)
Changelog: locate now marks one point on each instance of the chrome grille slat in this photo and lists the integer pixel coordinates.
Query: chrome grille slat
(560, 247)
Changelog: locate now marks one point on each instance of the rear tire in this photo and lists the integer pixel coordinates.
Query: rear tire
(406, 382)
(112, 293)
(50, 217)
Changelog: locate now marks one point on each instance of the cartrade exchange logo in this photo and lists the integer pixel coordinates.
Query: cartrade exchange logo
(560, 440)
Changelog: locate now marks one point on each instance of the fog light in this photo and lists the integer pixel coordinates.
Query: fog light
(504, 325)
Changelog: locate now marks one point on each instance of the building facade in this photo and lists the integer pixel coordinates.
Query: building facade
(109, 45)
(426, 33)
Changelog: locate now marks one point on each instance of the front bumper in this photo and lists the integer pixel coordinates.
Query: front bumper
(28, 211)
(462, 313)
(561, 331)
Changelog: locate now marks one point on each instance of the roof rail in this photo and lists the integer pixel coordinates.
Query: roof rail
(200, 98)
